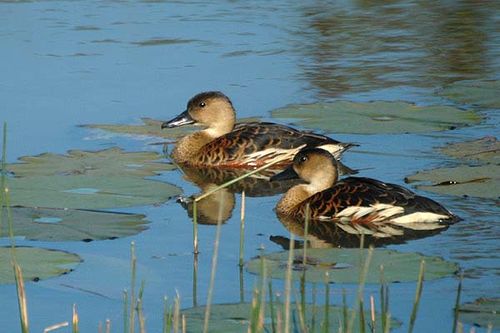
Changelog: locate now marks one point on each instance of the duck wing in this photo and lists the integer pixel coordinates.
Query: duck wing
(257, 143)
(376, 207)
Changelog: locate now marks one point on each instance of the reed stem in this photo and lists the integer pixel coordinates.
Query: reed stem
(418, 293)
(125, 312)
(195, 227)
(326, 320)
(288, 283)
(75, 320)
(213, 270)
(362, 280)
(133, 265)
(457, 304)
(21, 298)
(242, 228)
(271, 307)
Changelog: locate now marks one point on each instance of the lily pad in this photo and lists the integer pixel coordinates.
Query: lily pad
(48, 224)
(112, 161)
(482, 93)
(477, 181)
(152, 128)
(377, 117)
(482, 312)
(89, 180)
(87, 192)
(485, 150)
(344, 265)
(36, 263)
(236, 318)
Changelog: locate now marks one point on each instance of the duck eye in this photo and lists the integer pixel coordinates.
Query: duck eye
(202, 104)
(302, 159)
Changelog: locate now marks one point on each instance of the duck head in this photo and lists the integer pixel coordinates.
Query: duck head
(315, 166)
(211, 109)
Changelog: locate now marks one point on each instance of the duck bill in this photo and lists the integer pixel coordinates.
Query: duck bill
(181, 120)
(288, 173)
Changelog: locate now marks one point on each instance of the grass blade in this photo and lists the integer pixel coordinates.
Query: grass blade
(21, 298)
(288, 283)
(75, 320)
(361, 286)
(139, 308)
(372, 314)
(418, 293)
(271, 307)
(457, 304)
(195, 280)
(125, 312)
(362, 322)
(195, 227)
(213, 269)
(242, 228)
(133, 272)
(326, 321)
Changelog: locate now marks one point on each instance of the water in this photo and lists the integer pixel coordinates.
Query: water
(67, 63)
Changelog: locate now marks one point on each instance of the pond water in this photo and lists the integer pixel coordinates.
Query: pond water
(65, 64)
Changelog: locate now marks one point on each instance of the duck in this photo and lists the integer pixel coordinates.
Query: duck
(225, 144)
(357, 205)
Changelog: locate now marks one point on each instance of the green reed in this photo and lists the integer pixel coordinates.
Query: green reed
(242, 229)
(288, 283)
(5, 207)
(457, 303)
(215, 256)
(418, 294)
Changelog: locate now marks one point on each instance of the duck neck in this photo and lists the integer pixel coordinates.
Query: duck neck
(293, 197)
(188, 147)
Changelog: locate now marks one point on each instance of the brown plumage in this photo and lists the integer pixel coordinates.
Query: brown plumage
(224, 144)
(356, 204)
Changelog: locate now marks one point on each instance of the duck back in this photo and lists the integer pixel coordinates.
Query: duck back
(258, 143)
(366, 200)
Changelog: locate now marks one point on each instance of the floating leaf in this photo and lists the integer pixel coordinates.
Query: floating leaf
(89, 180)
(36, 263)
(48, 224)
(482, 93)
(485, 150)
(477, 181)
(112, 161)
(151, 127)
(344, 265)
(482, 312)
(376, 117)
(236, 318)
(87, 192)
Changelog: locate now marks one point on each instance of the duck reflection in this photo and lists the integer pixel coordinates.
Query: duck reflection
(330, 235)
(220, 205)
(343, 210)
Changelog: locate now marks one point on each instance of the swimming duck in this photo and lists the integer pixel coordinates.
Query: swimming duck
(223, 144)
(357, 205)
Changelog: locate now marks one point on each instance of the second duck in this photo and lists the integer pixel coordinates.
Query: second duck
(355, 204)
